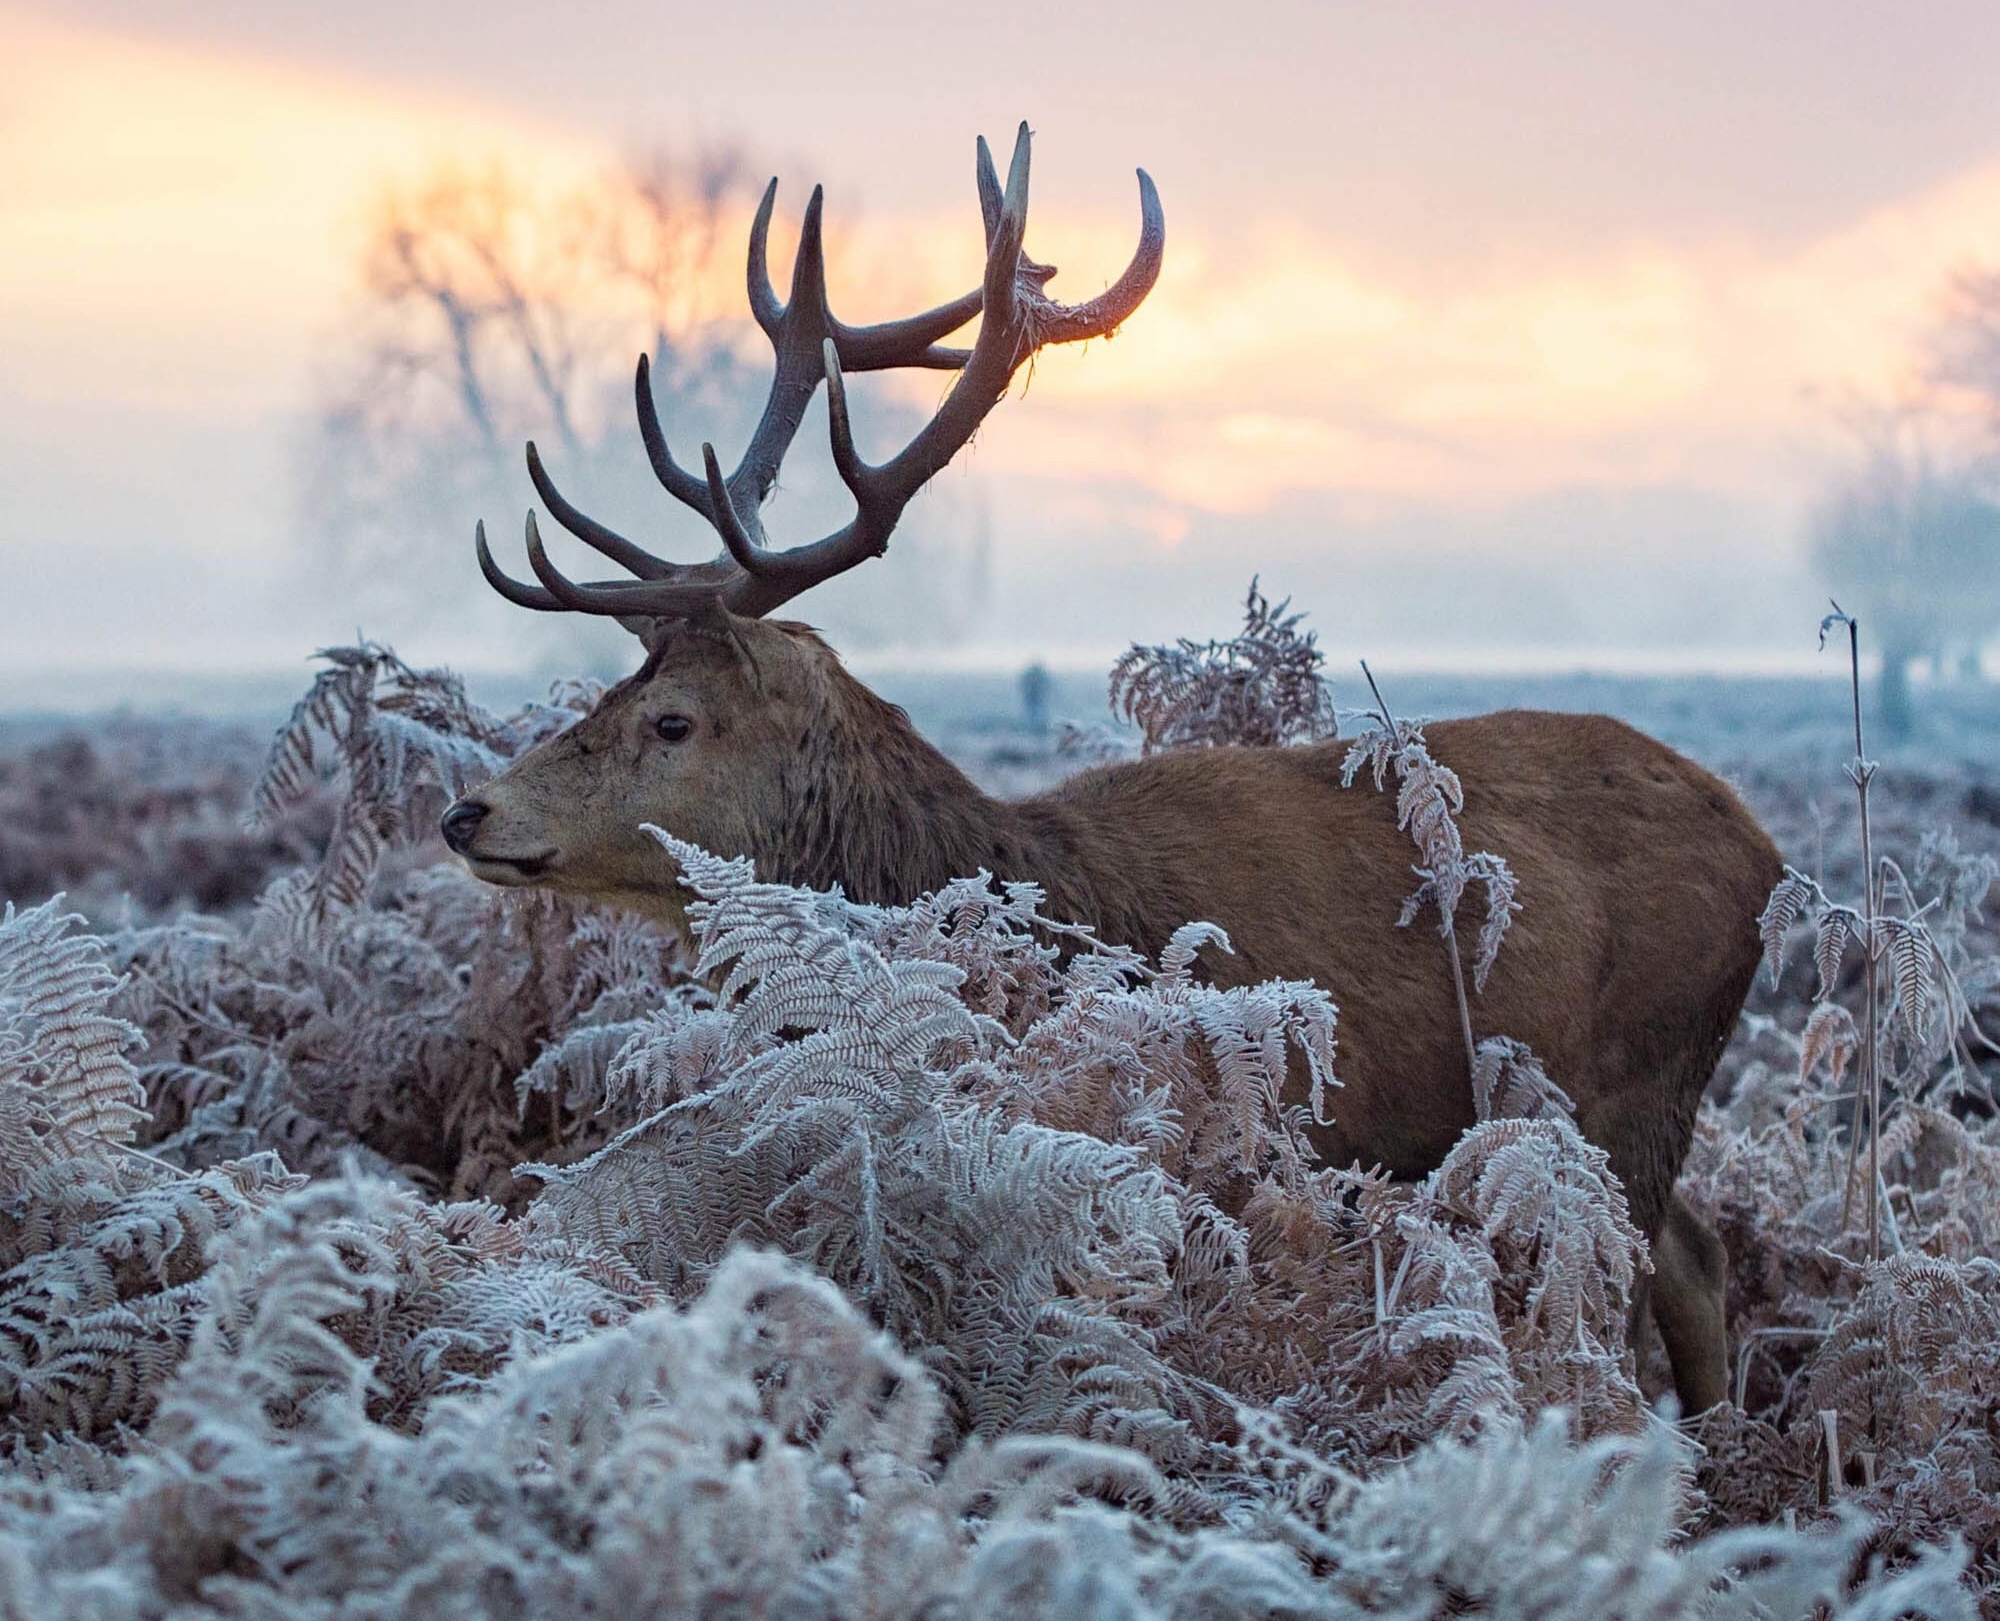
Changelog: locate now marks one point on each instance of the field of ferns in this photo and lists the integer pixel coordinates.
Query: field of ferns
(374, 1243)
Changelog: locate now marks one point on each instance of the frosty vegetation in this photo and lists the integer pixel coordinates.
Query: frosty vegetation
(1262, 686)
(397, 1247)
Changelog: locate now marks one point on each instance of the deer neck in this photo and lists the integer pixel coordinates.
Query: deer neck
(875, 808)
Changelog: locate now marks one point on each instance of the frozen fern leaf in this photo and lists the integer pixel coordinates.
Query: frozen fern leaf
(1262, 687)
(1497, 878)
(1839, 928)
(1830, 1038)
(1911, 954)
(1788, 902)
(1509, 1082)
(65, 1081)
(1429, 798)
(395, 744)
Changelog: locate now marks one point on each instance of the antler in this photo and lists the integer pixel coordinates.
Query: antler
(811, 344)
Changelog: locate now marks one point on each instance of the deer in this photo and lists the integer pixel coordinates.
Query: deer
(745, 734)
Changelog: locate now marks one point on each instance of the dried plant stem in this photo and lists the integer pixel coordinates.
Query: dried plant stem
(1450, 933)
(1861, 772)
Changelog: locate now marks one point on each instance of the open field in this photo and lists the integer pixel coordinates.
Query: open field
(399, 1269)
(150, 804)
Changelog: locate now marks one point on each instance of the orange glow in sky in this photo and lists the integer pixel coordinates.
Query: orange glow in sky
(178, 220)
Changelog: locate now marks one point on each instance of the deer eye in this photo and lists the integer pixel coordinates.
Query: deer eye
(674, 728)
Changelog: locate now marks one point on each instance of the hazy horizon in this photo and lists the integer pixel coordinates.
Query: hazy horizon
(1489, 335)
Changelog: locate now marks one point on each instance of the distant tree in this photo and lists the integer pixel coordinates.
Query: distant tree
(1038, 690)
(489, 315)
(1909, 538)
(1965, 344)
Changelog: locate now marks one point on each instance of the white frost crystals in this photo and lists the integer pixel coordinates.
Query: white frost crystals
(997, 1280)
(66, 1084)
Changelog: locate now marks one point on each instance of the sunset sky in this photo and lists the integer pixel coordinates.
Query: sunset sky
(1488, 331)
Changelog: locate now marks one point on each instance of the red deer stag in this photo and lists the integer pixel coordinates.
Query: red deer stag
(744, 734)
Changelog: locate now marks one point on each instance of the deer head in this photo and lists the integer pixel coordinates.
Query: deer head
(725, 733)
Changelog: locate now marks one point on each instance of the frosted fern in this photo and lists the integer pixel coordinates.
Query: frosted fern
(1508, 1081)
(1056, 1310)
(1262, 687)
(66, 1086)
(1429, 797)
(403, 742)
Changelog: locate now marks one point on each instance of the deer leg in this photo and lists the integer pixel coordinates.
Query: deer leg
(1690, 1271)
(1684, 1295)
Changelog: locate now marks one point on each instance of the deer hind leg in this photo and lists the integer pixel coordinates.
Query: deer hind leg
(1690, 1273)
(1684, 1295)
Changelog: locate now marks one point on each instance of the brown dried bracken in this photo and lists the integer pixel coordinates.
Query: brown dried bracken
(1065, 1177)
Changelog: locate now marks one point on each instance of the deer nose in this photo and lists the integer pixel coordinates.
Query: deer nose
(461, 822)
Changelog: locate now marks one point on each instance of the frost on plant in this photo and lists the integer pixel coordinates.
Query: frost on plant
(66, 1084)
(1429, 797)
(404, 742)
(1263, 686)
(441, 1254)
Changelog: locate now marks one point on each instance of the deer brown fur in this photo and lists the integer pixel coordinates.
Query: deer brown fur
(1625, 971)
(1641, 873)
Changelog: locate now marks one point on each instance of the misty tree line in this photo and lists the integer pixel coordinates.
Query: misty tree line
(1910, 529)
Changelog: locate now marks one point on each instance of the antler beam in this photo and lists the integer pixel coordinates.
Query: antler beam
(812, 346)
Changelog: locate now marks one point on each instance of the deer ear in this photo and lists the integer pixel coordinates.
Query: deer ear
(654, 632)
(650, 631)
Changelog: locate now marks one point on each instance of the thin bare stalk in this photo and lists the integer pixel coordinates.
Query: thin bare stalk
(1450, 933)
(1861, 772)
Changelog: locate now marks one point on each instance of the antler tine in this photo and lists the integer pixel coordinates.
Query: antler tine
(558, 585)
(523, 596)
(729, 522)
(1105, 313)
(1010, 228)
(682, 485)
(693, 587)
(763, 297)
(846, 459)
(911, 341)
(795, 339)
(989, 192)
(587, 529)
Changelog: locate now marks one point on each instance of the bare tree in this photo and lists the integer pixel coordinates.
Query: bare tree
(1909, 535)
(488, 315)
(1965, 344)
